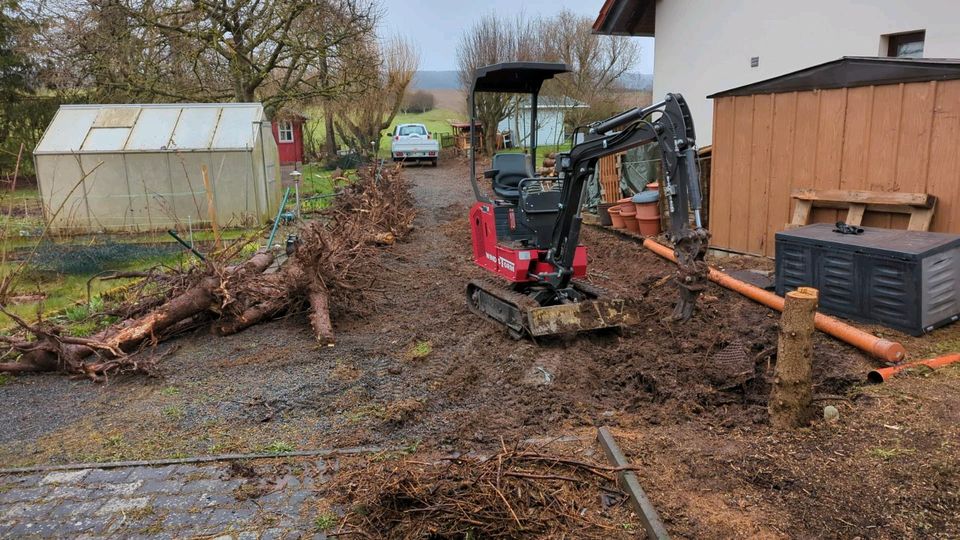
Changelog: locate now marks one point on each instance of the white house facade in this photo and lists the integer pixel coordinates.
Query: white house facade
(702, 47)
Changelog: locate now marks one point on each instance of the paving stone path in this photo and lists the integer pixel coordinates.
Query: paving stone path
(171, 501)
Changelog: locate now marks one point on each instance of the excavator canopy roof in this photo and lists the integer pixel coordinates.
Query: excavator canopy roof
(515, 77)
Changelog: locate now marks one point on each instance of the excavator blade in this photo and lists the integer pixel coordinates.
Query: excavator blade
(524, 316)
(579, 317)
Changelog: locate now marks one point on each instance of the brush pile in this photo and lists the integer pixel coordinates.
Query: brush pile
(331, 268)
(513, 494)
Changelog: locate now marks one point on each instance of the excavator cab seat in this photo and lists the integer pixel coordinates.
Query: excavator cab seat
(508, 170)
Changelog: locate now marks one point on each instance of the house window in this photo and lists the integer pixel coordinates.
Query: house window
(285, 131)
(909, 45)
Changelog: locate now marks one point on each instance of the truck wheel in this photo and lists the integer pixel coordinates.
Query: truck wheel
(433, 162)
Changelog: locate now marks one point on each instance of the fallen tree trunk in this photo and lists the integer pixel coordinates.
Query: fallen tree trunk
(326, 267)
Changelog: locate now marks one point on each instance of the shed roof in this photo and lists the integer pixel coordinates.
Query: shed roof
(853, 71)
(180, 127)
(627, 18)
(515, 77)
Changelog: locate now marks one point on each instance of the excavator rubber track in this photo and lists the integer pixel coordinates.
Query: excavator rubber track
(522, 315)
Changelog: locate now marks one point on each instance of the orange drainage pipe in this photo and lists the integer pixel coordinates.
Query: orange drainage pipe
(881, 375)
(883, 349)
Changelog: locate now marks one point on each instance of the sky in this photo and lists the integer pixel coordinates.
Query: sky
(435, 25)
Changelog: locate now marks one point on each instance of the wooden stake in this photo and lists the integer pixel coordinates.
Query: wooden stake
(211, 207)
(16, 170)
(792, 395)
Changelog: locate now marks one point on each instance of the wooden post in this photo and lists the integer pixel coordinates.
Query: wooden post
(16, 169)
(211, 207)
(792, 395)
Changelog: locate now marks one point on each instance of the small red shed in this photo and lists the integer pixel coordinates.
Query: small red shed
(288, 132)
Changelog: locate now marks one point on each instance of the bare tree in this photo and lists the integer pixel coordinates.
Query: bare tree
(597, 64)
(388, 70)
(274, 51)
(490, 41)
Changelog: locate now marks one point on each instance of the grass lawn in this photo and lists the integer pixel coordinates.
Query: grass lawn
(61, 291)
(437, 121)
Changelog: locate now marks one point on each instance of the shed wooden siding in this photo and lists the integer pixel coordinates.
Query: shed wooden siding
(899, 137)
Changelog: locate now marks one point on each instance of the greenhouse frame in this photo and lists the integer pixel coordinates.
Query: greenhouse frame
(135, 168)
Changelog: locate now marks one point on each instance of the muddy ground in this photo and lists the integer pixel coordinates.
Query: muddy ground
(419, 373)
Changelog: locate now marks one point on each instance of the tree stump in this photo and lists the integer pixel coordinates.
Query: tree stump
(791, 398)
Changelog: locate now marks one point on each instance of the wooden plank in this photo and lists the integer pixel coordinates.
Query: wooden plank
(830, 129)
(781, 164)
(629, 483)
(742, 147)
(756, 216)
(721, 174)
(923, 200)
(805, 140)
(856, 138)
(855, 214)
(801, 213)
(920, 219)
(943, 175)
(914, 145)
(884, 138)
(875, 208)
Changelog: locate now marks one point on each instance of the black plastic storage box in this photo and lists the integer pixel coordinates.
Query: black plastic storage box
(908, 280)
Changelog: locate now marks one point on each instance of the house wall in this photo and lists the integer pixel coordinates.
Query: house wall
(705, 47)
(897, 137)
(550, 127)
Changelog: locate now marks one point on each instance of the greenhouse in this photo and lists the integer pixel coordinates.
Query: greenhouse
(153, 167)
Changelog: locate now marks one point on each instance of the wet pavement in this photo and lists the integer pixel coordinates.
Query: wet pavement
(171, 501)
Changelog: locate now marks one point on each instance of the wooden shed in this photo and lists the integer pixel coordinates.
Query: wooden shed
(288, 132)
(857, 123)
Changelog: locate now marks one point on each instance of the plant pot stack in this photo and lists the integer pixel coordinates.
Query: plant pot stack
(616, 220)
(628, 211)
(647, 212)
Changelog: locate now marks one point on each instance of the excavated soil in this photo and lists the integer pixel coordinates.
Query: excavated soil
(420, 373)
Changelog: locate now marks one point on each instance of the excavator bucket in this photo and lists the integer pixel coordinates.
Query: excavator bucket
(580, 317)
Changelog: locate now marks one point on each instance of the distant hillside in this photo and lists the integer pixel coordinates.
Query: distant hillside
(637, 81)
(436, 80)
(450, 80)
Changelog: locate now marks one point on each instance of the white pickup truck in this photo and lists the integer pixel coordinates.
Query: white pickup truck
(412, 142)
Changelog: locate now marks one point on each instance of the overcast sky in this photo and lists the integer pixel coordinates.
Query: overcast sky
(435, 25)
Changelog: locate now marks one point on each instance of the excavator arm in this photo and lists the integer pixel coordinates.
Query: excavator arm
(672, 130)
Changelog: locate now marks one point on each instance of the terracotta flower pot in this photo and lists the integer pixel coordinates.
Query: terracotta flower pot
(647, 210)
(627, 209)
(631, 224)
(615, 218)
(649, 226)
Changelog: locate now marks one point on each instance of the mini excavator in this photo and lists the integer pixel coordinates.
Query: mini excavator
(528, 232)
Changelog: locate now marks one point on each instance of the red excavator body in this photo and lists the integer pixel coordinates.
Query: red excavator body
(515, 264)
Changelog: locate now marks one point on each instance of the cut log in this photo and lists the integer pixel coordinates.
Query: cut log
(320, 314)
(791, 398)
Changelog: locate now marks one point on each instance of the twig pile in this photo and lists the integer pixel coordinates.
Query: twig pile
(514, 494)
(331, 266)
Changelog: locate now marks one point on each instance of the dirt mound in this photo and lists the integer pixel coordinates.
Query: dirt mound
(655, 370)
